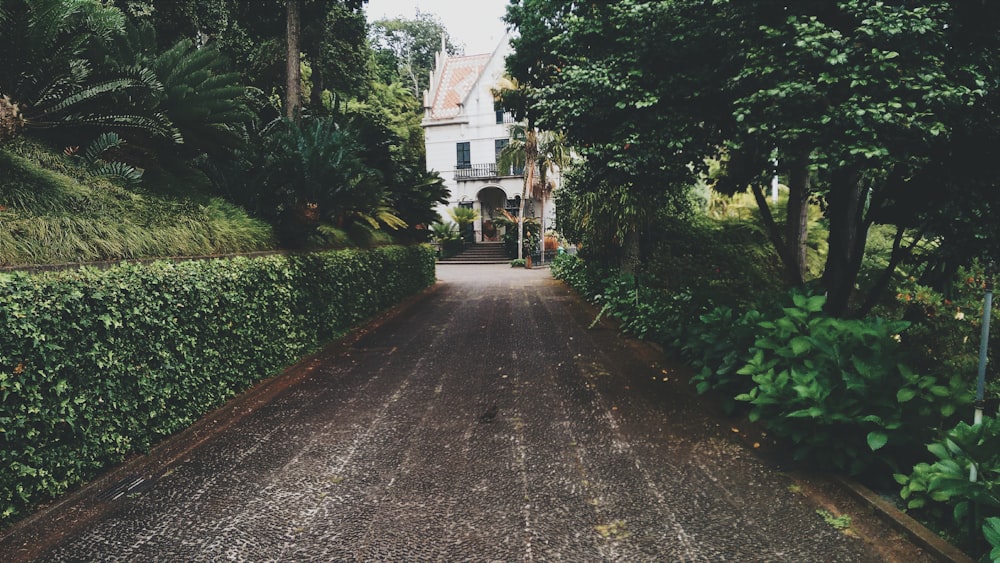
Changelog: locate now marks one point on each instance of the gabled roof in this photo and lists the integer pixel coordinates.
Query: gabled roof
(454, 79)
(458, 76)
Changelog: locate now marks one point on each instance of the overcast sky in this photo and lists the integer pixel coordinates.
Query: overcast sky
(474, 23)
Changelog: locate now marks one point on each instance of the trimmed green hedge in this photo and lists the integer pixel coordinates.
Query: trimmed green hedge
(97, 364)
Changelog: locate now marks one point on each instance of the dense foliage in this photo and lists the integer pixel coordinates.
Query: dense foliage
(186, 99)
(870, 109)
(95, 365)
(857, 395)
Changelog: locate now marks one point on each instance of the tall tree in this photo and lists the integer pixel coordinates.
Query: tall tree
(855, 97)
(405, 49)
(293, 63)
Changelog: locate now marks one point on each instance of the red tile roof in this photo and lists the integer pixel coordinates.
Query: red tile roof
(457, 79)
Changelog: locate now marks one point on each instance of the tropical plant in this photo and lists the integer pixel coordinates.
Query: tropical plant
(544, 153)
(96, 158)
(444, 231)
(464, 217)
(448, 238)
(48, 81)
(201, 96)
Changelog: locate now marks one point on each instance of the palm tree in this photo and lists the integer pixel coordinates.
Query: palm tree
(538, 153)
(463, 217)
(541, 154)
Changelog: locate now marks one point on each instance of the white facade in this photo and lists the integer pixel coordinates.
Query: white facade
(462, 136)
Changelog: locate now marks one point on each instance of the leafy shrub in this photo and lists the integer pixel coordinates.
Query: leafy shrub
(946, 325)
(839, 389)
(647, 312)
(518, 263)
(718, 347)
(725, 262)
(579, 274)
(95, 364)
(945, 482)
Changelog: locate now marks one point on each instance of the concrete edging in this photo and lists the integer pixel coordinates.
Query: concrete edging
(917, 532)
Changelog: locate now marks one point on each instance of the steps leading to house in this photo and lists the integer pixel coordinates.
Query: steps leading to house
(480, 253)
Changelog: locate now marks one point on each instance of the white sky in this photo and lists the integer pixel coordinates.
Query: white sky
(474, 23)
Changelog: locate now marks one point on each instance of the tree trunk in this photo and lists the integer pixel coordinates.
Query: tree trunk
(848, 235)
(774, 233)
(541, 229)
(520, 215)
(897, 256)
(631, 254)
(318, 84)
(530, 157)
(797, 225)
(293, 85)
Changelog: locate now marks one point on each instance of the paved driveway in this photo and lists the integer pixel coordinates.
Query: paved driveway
(484, 423)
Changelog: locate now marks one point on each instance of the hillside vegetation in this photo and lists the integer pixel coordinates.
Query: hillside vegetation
(54, 211)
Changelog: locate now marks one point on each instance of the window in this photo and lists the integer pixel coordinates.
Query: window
(464, 156)
(513, 206)
(499, 145)
(500, 116)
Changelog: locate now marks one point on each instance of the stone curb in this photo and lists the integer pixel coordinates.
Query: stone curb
(917, 532)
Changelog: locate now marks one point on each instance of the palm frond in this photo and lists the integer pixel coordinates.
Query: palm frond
(117, 169)
(102, 144)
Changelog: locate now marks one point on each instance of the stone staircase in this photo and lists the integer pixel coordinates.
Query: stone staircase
(479, 253)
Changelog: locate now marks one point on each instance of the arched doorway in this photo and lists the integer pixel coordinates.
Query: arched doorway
(492, 200)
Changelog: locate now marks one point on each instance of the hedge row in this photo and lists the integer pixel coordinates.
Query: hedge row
(95, 365)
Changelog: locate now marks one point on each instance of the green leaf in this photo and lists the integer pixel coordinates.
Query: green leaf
(876, 440)
(800, 345)
(905, 394)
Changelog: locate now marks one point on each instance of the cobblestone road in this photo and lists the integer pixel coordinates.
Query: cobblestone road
(486, 423)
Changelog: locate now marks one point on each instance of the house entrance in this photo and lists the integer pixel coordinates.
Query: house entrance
(492, 201)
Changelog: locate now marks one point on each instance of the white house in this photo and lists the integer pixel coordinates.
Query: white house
(464, 133)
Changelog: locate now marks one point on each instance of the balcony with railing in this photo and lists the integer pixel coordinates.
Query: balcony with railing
(485, 171)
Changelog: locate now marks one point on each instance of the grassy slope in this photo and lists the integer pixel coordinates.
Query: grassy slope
(52, 211)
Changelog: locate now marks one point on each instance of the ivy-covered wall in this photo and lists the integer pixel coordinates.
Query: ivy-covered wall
(96, 364)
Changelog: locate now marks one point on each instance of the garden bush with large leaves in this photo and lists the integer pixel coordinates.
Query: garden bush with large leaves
(839, 389)
(95, 365)
(946, 483)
